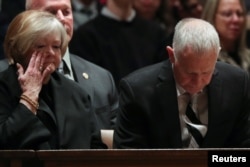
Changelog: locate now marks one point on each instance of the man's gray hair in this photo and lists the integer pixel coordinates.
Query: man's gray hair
(197, 34)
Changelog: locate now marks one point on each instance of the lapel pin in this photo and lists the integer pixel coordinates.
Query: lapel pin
(85, 75)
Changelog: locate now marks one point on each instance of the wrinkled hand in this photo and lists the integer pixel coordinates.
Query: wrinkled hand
(32, 79)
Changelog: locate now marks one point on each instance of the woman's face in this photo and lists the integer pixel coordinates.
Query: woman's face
(50, 47)
(229, 20)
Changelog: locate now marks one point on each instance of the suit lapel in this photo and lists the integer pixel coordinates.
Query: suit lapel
(167, 98)
(45, 108)
(79, 68)
(64, 110)
(215, 114)
(60, 103)
(59, 93)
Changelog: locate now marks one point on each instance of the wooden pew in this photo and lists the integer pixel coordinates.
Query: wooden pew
(124, 158)
(113, 157)
(103, 158)
(17, 158)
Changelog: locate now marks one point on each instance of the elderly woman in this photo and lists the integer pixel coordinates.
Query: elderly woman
(39, 107)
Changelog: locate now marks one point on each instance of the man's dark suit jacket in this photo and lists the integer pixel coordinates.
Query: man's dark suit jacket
(72, 118)
(149, 116)
(100, 86)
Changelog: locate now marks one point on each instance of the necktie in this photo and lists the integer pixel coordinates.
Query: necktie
(63, 69)
(193, 130)
(60, 68)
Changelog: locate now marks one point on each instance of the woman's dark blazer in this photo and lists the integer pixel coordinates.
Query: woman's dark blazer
(72, 120)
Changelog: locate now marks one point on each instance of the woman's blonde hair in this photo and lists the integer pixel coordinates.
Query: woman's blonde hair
(26, 28)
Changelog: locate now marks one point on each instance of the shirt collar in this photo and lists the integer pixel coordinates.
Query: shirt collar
(106, 12)
(67, 61)
(181, 91)
(78, 5)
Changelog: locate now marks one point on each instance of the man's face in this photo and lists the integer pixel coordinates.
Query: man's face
(193, 72)
(61, 9)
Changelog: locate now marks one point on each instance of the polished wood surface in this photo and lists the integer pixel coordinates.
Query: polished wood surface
(97, 158)
(122, 158)
(106, 158)
(17, 158)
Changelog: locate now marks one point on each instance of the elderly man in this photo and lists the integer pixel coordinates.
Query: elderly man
(188, 101)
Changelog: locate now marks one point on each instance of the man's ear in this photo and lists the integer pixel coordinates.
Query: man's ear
(170, 54)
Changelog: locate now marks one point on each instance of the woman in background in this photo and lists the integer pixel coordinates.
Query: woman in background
(229, 18)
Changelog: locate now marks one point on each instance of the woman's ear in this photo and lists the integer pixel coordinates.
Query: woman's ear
(170, 54)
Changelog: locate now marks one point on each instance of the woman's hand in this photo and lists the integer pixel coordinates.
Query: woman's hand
(32, 79)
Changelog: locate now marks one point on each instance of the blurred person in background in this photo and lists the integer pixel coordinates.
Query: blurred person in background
(182, 9)
(248, 21)
(153, 10)
(8, 10)
(119, 40)
(84, 10)
(230, 20)
(191, 8)
(172, 16)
